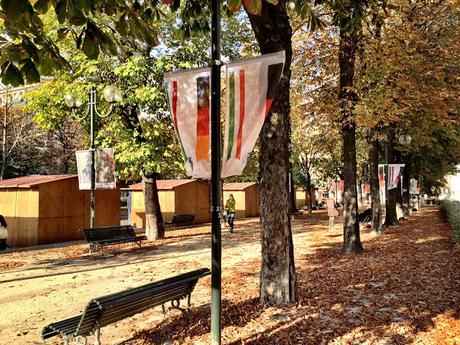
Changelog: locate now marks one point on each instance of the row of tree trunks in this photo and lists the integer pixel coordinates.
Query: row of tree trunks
(277, 275)
(347, 97)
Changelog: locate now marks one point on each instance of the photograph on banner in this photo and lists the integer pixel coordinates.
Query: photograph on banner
(104, 169)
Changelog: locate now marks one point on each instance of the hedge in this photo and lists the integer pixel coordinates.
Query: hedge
(451, 209)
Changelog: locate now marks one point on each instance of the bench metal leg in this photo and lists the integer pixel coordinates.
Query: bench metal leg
(189, 301)
(81, 340)
(97, 335)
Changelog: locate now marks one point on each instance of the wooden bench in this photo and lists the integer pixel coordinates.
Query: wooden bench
(100, 237)
(102, 311)
(181, 219)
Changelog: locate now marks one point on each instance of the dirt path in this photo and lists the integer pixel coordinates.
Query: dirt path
(404, 289)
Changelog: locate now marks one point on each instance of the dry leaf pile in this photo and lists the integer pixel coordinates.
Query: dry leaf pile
(404, 289)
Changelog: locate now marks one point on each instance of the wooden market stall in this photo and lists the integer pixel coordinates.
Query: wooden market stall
(45, 209)
(177, 197)
(302, 197)
(246, 196)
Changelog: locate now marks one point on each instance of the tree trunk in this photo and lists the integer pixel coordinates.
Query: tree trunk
(391, 217)
(375, 188)
(406, 188)
(277, 274)
(309, 193)
(347, 97)
(154, 226)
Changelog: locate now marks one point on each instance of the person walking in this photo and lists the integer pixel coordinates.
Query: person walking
(230, 208)
(332, 210)
(3, 233)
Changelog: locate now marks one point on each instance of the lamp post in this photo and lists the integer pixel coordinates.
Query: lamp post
(112, 95)
(405, 140)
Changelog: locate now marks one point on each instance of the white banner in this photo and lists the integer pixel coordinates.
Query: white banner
(189, 101)
(394, 174)
(104, 169)
(251, 88)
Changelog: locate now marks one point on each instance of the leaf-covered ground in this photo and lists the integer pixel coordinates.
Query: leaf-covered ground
(404, 289)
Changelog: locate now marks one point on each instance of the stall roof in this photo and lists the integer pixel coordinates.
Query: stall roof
(32, 181)
(163, 184)
(237, 186)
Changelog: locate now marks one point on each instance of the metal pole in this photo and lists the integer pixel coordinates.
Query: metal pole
(92, 103)
(387, 205)
(5, 128)
(216, 245)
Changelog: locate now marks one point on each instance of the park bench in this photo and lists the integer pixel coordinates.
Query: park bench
(100, 237)
(102, 311)
(181, 219)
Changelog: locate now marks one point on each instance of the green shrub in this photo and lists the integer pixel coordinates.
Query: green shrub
(451, 209)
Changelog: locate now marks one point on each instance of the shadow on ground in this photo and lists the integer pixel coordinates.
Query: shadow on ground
(387, 295)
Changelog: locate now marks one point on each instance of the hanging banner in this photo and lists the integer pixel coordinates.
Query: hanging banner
(104, 169)
(394, 174)
(251, 88)
(413, 188)
(189, 102)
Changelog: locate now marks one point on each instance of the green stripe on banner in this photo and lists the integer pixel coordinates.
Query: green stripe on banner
(231, 124)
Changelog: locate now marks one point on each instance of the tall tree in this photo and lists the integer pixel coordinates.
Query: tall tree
(277, 276)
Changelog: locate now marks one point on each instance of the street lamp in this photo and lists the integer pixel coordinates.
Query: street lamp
(112, 95)
(405, 140)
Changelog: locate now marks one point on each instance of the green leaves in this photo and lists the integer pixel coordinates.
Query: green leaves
(30, 71)
(41, 6)
(234, 5)
(253, 6)
(11, 74)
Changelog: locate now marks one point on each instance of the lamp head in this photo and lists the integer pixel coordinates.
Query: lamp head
(72, 101)
(112, 94)
(405, 139)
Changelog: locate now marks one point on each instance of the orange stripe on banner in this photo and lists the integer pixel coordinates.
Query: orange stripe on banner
(239, 139)
(202, 124)
(202, 147)
(268, 104)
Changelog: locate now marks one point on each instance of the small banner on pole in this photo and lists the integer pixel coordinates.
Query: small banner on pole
(394, 174)
(189, 102)
(251, 88)
(104, 169)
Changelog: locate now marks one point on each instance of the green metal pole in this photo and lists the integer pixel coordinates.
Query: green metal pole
(92, 105)
(216, 243)
(387, 204)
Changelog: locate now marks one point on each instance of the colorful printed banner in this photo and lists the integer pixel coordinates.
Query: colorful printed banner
(394, 174)
(104, 169)
(189, 102)
(251, 88)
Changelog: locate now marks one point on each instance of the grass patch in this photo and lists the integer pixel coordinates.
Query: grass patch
(451, 209)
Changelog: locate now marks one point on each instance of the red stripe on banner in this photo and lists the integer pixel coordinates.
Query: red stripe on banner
(239, 139)
(174, 103)
(268, 104)
(202, 123)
